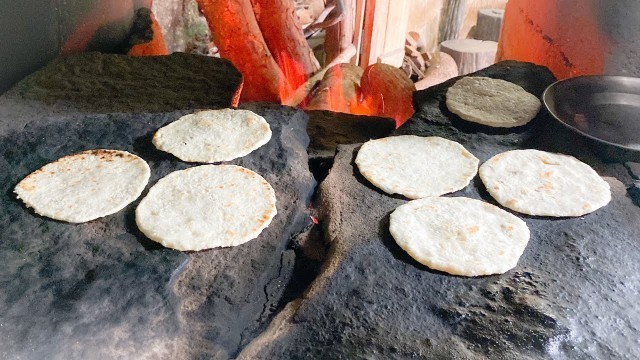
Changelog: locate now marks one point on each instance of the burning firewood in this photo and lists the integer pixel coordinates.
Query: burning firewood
(263, 40)
(303, 91)
(237, 35)
(387, 91)
(285, 40)
(339, 89)
(152, 42)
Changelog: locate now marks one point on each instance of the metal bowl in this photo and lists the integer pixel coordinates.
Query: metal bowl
(605, 109)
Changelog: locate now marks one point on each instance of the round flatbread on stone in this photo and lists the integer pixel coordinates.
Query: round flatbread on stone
(544, 184)
(85, 186)
(492, 102)
(206, 207)
(415, 166)
(459, 236)
(213, 135)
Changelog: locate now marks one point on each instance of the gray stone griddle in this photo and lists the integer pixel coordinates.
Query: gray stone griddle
(102, 290)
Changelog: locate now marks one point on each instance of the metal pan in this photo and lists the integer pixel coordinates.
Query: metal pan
(605, 109)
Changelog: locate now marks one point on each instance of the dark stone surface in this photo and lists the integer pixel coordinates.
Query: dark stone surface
(634, 192)
(432, 118)
(327, 129)
(102, 290)
(634, 169)
(573, 295)
(108, 83)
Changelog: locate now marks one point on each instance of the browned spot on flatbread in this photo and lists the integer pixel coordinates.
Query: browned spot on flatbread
(507, 227)
(26, 186)
(104, 155)
(547, 186)
(511, 202)
(547, 161)
(497, 158)
(547, 174)
(473, 229)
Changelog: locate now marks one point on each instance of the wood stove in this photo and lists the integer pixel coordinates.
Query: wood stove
(325, 279)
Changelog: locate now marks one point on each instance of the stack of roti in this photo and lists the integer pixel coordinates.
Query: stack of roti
(415, 166)
(213, 135)
(492, 102)
(544, 184)
(85, 186)
(206, 207)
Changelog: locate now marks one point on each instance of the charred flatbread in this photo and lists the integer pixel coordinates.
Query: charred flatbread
(85, 186)
(492, 102)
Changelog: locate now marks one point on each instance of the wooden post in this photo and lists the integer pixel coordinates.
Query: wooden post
(385, 30)
(471, 55)
(489, 24)
(340, 36)
(358, 32)
(453, 15)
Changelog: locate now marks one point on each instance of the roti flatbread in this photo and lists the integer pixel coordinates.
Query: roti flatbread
(545, 184)
(206, 207)
(459, 236)
(85, 186)
(415, 166)
(492, 102)
(213, 135)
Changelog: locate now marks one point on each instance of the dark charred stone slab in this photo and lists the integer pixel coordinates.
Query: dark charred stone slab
(102, 290)
(109, 83)
(573, 294)
(328, 129)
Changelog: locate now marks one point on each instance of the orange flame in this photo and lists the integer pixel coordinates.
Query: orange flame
(340, 101)
(364, 101)
(294, 75)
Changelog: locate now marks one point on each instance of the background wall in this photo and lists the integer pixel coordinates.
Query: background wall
(32, 32)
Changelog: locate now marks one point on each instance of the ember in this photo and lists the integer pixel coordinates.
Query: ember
(379, 90)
